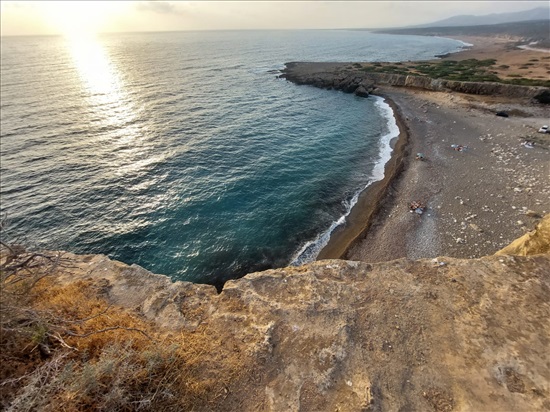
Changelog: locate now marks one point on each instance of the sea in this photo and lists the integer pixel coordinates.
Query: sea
(183, 152)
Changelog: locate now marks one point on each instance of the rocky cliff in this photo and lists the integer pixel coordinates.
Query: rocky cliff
(442, 334)
(340, 76)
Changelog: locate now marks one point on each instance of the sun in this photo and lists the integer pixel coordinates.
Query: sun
(81, 18)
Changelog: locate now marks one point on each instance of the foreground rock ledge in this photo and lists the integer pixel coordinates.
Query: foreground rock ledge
(444, 334)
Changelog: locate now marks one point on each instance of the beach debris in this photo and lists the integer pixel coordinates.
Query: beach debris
(532, 213)
(527, 144)
(417, 207)
(420, 156)
(520, 223)
(460, 200)
(438, 262)
(459, 147)
(460, 240)
(501, 113)
(476, 227)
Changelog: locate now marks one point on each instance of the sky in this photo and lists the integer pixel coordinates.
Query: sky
(77, 17)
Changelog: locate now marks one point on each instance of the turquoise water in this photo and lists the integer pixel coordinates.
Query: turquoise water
(183, 152)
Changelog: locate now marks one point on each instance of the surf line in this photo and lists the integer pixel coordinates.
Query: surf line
(316, 248)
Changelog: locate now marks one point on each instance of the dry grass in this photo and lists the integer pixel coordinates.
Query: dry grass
(63, 348)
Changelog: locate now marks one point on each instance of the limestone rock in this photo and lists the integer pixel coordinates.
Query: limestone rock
(349, 336)
(532, 243)
(335, 75)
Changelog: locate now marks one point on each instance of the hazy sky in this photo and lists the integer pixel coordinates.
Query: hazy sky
(73, 17)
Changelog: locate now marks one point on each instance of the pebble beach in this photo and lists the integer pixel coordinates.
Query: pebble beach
(478, 199)
(475, 200)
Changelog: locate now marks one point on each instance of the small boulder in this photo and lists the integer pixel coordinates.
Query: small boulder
(361, 91)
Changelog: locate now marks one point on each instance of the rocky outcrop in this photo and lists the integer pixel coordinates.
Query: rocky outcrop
(442, 334)
(339, 77)
(532, 243)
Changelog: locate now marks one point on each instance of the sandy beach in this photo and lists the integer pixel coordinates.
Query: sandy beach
(531, 63)
(477, 200)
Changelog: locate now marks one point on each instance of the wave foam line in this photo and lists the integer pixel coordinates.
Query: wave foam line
(310, 250)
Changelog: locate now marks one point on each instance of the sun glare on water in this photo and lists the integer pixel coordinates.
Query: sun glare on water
(100, 79)
(94, 66)
(80, 22)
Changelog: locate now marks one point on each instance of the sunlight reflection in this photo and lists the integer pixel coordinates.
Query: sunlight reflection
(115, 114)
(96, 71)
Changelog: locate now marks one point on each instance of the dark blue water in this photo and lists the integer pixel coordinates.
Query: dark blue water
(183, 152)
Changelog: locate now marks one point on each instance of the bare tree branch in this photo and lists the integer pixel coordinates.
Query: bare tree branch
(85, 335)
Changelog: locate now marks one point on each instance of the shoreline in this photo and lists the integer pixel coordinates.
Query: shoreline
(477, 200)
(513, 60)
(462, 218)
(371, 199)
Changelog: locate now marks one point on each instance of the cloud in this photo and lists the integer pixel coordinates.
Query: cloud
(159, 7)
(42, 17)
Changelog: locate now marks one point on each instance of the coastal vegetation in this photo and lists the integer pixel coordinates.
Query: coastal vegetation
(512, 48)
(63, 347)
(470, 70)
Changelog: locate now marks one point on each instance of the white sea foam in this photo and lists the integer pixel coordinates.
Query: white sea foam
(310, 250)
(464, 44)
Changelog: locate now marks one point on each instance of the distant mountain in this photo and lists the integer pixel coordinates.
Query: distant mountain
(540, 13)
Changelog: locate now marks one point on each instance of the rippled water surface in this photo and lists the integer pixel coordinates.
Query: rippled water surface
(183, 152)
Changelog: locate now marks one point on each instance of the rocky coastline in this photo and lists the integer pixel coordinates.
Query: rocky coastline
(344, 77)
(437, 114)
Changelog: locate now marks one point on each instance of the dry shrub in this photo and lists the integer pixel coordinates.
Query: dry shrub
(63, 348)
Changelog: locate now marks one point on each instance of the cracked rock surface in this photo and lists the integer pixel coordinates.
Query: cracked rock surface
(435, 334)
